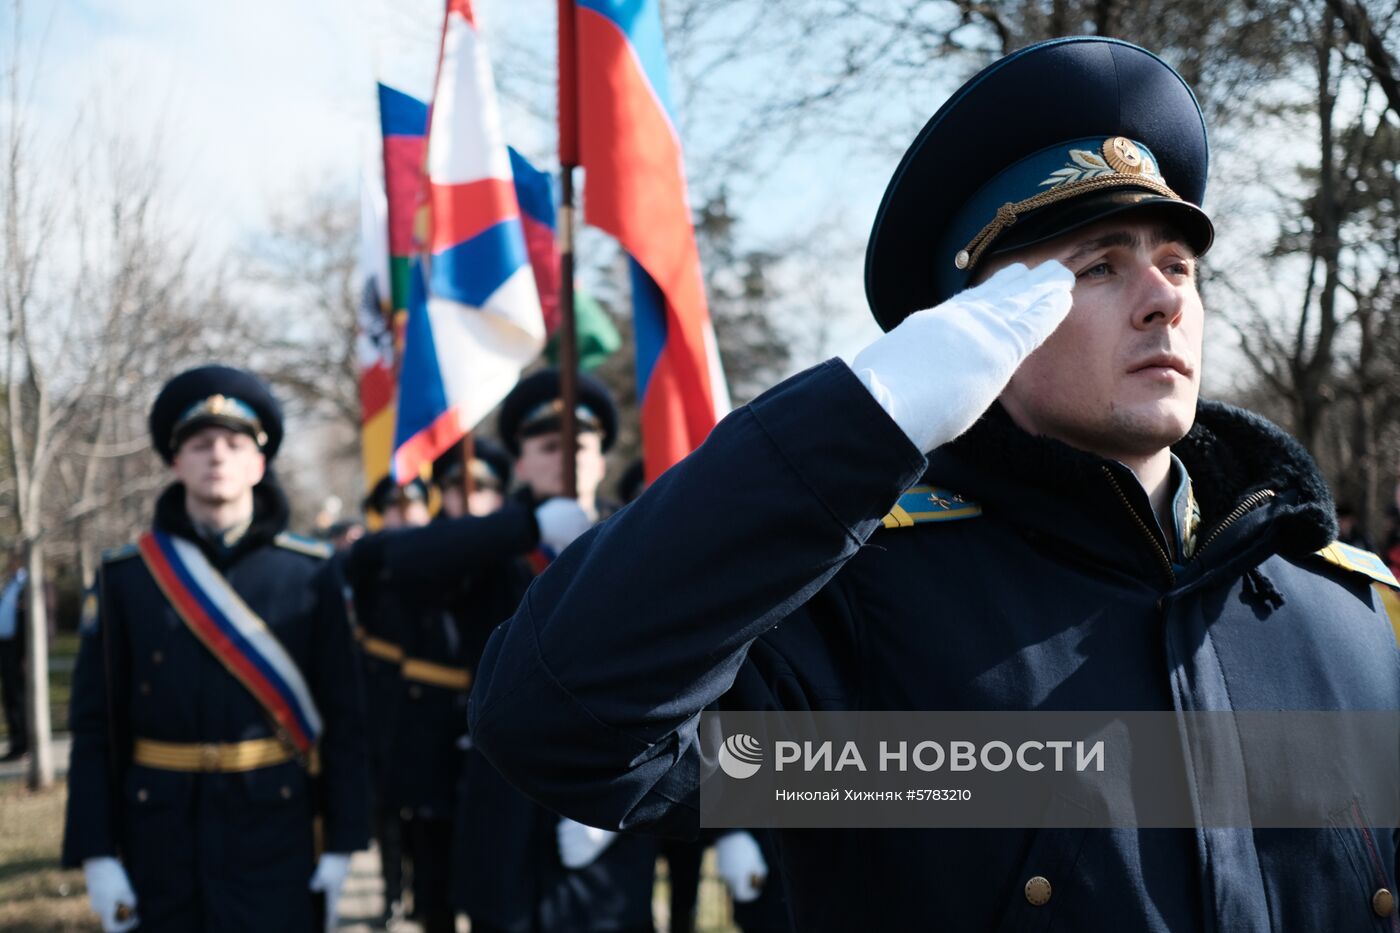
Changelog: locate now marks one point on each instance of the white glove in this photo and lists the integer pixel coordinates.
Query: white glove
(331, 872)
(941, 368)
(109, 890)
(741, 865)
(561, 521)
(579, 845)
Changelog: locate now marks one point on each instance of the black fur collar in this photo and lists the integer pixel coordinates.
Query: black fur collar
(1229, 454)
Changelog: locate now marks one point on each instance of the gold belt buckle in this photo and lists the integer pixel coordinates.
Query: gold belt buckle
(209, 758)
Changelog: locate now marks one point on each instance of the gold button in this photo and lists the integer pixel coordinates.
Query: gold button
(157, 657)
(141, 795)
(1038, 891)
(1383, 902)
(286, 792)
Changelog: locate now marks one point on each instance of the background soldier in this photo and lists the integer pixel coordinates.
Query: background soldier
(438, 656)
(490, 479)
(416, 584)
(378, 615)
(216, 716)
(520, 867)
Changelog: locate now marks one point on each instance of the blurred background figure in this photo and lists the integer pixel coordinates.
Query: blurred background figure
(1349, 528)
(342, 534)
(12, 586)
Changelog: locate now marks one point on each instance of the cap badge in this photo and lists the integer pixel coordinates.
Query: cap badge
(1124, 156)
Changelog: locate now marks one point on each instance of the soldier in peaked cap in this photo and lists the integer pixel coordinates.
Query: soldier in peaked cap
(1030, 428)
(423, 670)
(399, 506)
(490, 474)
(218, 776)
(519, 867)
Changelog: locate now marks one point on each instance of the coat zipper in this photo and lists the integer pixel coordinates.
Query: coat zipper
(1147, 532)
(1250, 501)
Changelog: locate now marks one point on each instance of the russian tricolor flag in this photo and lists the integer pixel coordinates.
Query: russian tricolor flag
(535, 191)
(476, 321)
(615, 121)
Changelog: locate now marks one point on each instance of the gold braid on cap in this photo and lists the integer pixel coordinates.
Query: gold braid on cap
(1008, 213)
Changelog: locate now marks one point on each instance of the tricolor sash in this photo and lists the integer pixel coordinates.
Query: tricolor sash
(234, 634)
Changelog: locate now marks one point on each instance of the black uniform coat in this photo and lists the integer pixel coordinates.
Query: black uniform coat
(507, 872)
(786, 588)
(214, 851)
(412, 583)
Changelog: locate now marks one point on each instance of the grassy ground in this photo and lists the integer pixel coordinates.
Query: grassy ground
(63, 651)
(35, 894)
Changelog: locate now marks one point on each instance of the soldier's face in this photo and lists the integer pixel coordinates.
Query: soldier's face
(218, 465)
(484, 501)
(541, 464)
(1121, 374)
(415, 513)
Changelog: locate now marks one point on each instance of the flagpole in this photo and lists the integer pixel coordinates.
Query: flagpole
(568, 161)
(468, 484)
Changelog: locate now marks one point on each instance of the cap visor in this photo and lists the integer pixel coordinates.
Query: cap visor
(1066, 217)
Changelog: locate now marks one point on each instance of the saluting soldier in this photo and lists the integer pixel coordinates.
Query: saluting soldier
(218, 775)
(520, 868)
(1013, 500)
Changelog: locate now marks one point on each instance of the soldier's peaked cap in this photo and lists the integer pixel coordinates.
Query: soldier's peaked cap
(1044, 141)
(219, 396)
(534, 407)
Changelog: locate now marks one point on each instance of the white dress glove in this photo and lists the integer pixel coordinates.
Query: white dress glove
(741, 865)
(109, 891)
(941, 368)
(331, 872)
(579, 845)
(561, 521)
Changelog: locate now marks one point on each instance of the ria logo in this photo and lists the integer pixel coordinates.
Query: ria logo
(741, 756)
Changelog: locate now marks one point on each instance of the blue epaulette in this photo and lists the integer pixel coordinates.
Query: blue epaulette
(112, 555)
(311, 547)
(1356, 560)
(921, 504)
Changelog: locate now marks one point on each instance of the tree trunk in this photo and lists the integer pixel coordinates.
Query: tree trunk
(1314, 371)
(36, 678)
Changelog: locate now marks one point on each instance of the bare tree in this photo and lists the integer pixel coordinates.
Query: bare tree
(96, 302)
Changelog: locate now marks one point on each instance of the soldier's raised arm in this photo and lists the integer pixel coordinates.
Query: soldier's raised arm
(588, 698)
(443, 551)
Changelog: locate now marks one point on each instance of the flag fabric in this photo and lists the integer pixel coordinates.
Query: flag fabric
(534, 190)
(594, 333)
(374, 343)
(403, 121)
(476, 320)
(595, 336)
(615, 121)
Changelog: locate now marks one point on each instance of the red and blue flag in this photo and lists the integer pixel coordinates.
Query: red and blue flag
(615, 121)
